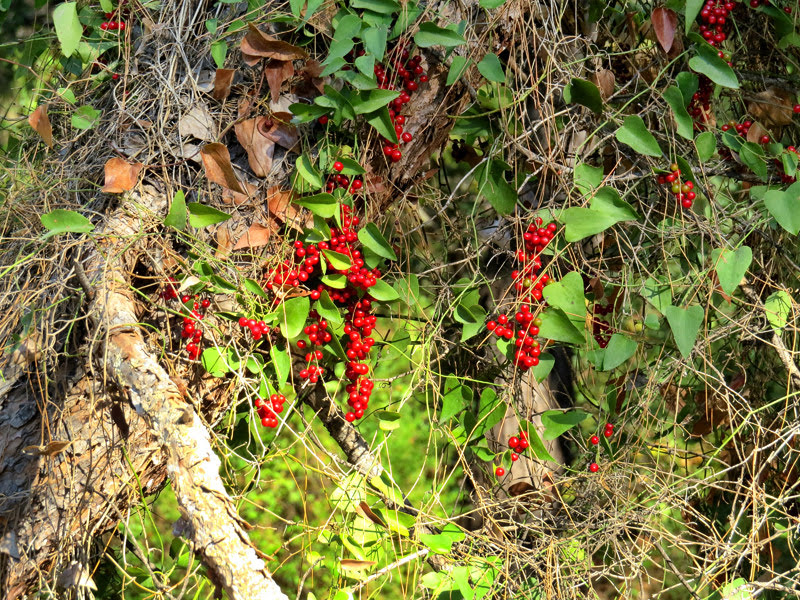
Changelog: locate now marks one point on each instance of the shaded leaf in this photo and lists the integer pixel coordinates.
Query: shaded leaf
(430, 34)
(558, 422)
(685, 324)
(491, 68)
(665, 21)
(260, 148)
(223, 79)
(731, 266)
(712, 66)
(585, 93)
(620, 348)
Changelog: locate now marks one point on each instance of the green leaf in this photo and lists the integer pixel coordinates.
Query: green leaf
(584, 93)
(201, 215)
(65, 221)
(693, 8)
(491, 410)
(375, 41)
(304, 113)
(282, 364)
(371, 237)
(567, 295)
(308, 172)
(85, 117)
(688, 83)
(789, 160)
(457, 68)
(685, 323)
(292, 315)
(712, 66)
(489, 4)
(472, 318)
(219, 51)
(348, 27)
(493, 186)
(778, 307)
(557, 326)
(706, 145)
(218, 361)
(442, 543)
(338, 261)
(587, 178)
(68, 27)
(255, 288)
(620, 348)
(382, 123)
(430, 34)
(731, 266)
(335, 280)
(752, 155)
(784, 206)
(176, 218)
(327, 309)
(635, 134)
(455, 399)
(558, 422)
(386, 7)
(657, 293)
(370, 101)
(607, 202)
(388, 420)
(537, 446)
(607, 209)
(106, 6)
(383, 292)
(323, 205)
(684, 122)
(492, 69)
(546, 364)
(366, 64)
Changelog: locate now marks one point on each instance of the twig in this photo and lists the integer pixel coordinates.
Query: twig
(88, 289)
(398, 563)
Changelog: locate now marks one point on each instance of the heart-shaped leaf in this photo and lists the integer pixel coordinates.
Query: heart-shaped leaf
(685, 323)
(635, 134)
(785, 207)
(665, 21)
(620, 348)
(567, 295)
(731, 266)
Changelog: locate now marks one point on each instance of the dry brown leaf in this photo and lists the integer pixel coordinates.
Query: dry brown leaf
(236, 198)
(217, 163)
(773, 107)
(356, 565)
(222, 84)
(664, 21)
(256, 235)
(604, 80)
(279, 203)
(364, 509)
(224, 240)
(50, 449)
(313, 68)
(259, 147)
(40, 122)
(282, 132)
(197, 123)
(278, 71)
(121, 176)
(257, 44)
(755, 132)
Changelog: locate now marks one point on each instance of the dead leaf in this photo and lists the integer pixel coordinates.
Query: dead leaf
(256, 235)
(364, 508)
(313, 68)
(51, 449)
(217, 163)
(604, 80)
(665, 21)
(257, 44)
(278, 71)
(755, 132)
(223, 236)
(222, 84)
(75, 576)
(350, 564)
(773, 107)
(521, 487)
(259, 147)
(197, 123)
(279, 203)
(282, 132)
(121, 176)
(40, 122)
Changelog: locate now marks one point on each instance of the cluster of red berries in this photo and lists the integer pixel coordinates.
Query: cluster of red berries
(353, 299)
(683, 191)
(191, 330)
(337, 180)
(700, 105)
(114, 20)
(258, 329)
(713, 19)
(608, 431)
(757, 3)
(268, 410)
(529, 291)
(601, 329)
(743, 129)
(518, 443)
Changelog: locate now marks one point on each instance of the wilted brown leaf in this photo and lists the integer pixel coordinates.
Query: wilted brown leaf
(222, 84)
(197, 123)
(224, 240)
(604, 80)
(121, 176)
(281, 131)
(279, 203)
(350, 564)
(259, 147)
(256, 235)
(217, 163)
(773, 107)
(364, 508)
(755, 132)
(257, 44)
(278, 71)
(664, 21)
(50, 449)
(40, 122)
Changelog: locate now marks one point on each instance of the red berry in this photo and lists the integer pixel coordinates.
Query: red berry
(396, 155)
(594, 440)
(594, 468)
(350, 417)
(104, 26)
(407, 137)
(122, 26)
(499, 471)
(113, 25)
(323, 120)
(765, 139)
(338, 166)
(423, 79)
(796, 108)
(357, 184)
(491, 325)
(205, 303)
(514, 457)
(513, 442)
